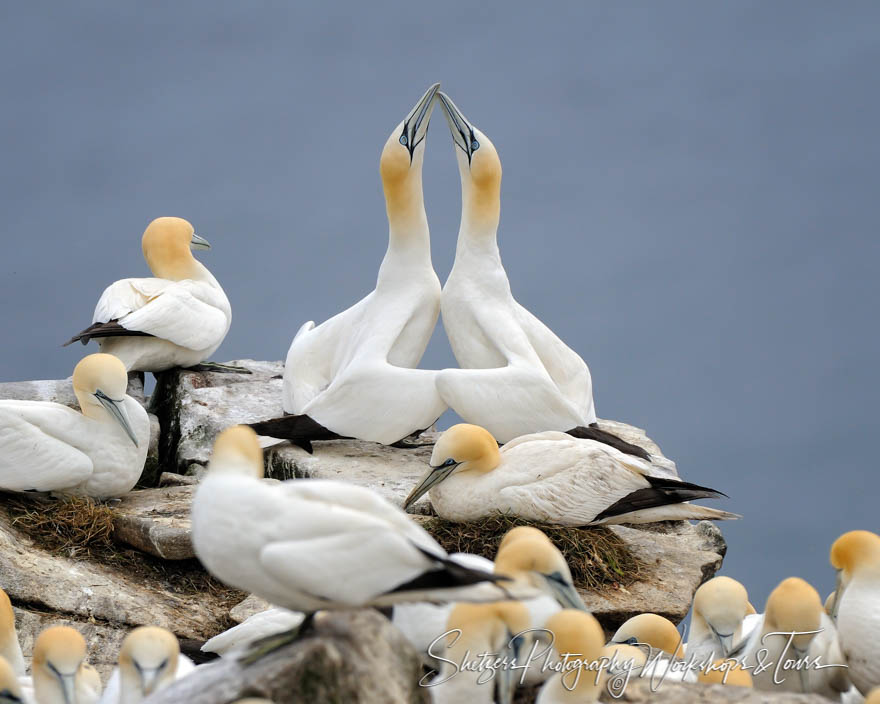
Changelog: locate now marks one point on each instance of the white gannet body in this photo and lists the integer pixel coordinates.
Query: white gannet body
(516, 375)
(177, 319)
(720, 608)
(551, 477)
(149, 660)
(579, 635)
(318, 544)
(500, 628)
(261, 624)
(793, 637)
(100, 452)
(856, 557)
(355, 373)
(10, 648)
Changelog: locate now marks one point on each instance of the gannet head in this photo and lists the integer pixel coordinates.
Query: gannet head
(851, 553)
(478, 162)
(624, 657)
(729, 672)
(578, 634)
(653, 630)
(462, 448)
(100, 382)
(520, 532)
(167, 243)
(10, 690)
(721, 604)
(794, 606)
(237, 449)
(501, 627)
(58, 653)
(536, 561)
(148, 659)
(7, 618)
(873, 696)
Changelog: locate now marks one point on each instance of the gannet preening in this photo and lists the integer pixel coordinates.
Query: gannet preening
(516, 375)
(100, 452)
(856, 557)
(719, 610)
(57, 668)
(503, 628)
(10, 648)
(794, 635)
(354, 375)
(264, 623)
(149, 660)
(176, 319)
(552, 477)
(317, 544)
(579, 635)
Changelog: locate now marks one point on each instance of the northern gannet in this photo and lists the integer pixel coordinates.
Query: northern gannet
(315, 544)
(149, 660)
(727, 672)
(873, 696)
(578, 635)
(259, 625)
(552, 477)
(11, 691)
(10, 648)
(500, 628)
(59, 671)
(354, 375)
(100, 452)
(176, 319)
(663, 649)
(516, 377)
(719, 610)
(856, 557)
(794, 635)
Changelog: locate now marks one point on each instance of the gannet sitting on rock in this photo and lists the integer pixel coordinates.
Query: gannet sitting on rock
(856, 557)
(259, 625)
(100, 452)
(177, 319)
(717, 624)
(516, 375)
(794, 636)
(10, 648)
(552, 477)
(149, 660)
(315, 544)
(579, 635)
(354, 375)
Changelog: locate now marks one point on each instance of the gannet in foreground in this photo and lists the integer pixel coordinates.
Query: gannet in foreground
(794, 607)
(10, 689)
(727, 672)
(579, 635)
(177, 319)
(719, 609)
(10, 648)
(317, 544)
(354, 375)
(873, 696)
(100, 452)
(663, 643)
(149, 660)
(59, 669)
(500, 628)
(856, 557)
(516, 375)
(261, 624)
(552, 477)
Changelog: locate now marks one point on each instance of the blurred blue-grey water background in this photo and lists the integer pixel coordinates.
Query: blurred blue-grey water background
(689, 200)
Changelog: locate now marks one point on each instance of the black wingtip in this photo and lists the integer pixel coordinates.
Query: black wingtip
(593, 432)
(300, 430)
(662, 492)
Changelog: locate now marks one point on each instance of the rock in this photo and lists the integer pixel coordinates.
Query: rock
(249, 607)
(640, 692)
(156, 521)
(356, 657)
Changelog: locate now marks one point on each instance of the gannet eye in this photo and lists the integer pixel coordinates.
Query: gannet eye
(163, 664)
(403, 139)
(448, 463)
(474, 145)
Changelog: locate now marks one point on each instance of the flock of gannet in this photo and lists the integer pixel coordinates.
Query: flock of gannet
(310, 546)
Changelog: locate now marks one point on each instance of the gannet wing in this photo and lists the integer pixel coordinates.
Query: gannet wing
(262, 624)
(40, 434)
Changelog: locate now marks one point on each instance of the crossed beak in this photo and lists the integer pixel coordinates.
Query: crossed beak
(433, 478)
(415, 126)
(117, 410)
(462, 131)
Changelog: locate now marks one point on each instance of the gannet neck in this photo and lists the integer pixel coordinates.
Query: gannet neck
(166, 244)
(10, 650)
(579, 634)
(96, 376)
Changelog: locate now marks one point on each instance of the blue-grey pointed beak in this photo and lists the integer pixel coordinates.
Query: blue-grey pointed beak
(415, 126)
(199, 242)
(433, 478)
(117, 410)
(460, 128)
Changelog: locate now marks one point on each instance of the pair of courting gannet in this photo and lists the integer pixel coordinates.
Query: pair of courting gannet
(552, 477)
(354, 375)
(99, 452)
(176, 319)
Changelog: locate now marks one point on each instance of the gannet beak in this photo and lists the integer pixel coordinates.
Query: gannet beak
(415, 126)
(563, 591)
(434, 477)
(68, 687)
(198, 242)
(462, 131)
(117, 410)
(835, 605)
(149, 679)
(506, 686)
(726, 642)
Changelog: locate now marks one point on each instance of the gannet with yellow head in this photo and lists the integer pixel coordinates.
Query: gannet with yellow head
(57, 667)
(516, 375)
(662, 646)
(149, 660)
(578, 635)
(10, 689)
(551, 477)
(501, 628)
(176, 319)
(319, 544)
(10, 648)
(355, 374)
(727, 672)
(99, 452)
(793, 636)
(719, 611)
(856, 608)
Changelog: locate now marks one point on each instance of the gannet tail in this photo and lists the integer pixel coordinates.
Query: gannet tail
(109, 329)
(603, 436)
(300, 430)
